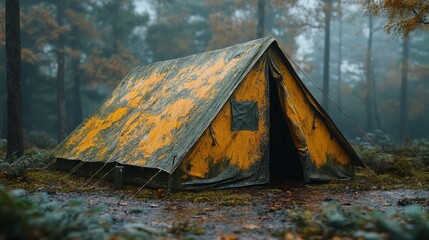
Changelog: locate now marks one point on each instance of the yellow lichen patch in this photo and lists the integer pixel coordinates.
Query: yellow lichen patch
(130, 129)
(135, 90)
(161, 133)
(208, 75)
(88, 136)
(244, 147)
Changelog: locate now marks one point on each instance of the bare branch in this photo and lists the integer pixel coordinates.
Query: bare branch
(416, 14)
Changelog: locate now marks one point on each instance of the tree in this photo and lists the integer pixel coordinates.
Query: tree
(260, 27)
(61, 100)
(369, 77)
(404, 16)
(78, 42)
(340, 59)
(326, 55)
(403, 112)
(15, 143)
(3, 108)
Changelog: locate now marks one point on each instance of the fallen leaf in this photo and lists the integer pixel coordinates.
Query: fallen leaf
(250, 226)
(228, 237)
(172, 208)
(123, 204)
(274, 208)
(291, 236)
(160, 193)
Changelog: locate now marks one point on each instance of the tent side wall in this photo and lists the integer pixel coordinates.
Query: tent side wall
(224, 156)
(324, 156)
(131, 174)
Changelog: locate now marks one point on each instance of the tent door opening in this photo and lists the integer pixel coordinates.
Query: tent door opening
(284, 159)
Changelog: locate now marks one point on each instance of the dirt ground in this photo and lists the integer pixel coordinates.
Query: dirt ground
(244, 213)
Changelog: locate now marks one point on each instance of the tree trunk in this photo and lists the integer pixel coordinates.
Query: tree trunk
(76, 104)
(374, 100)
(3, 115)
(61, 101)
(3, 107)
(369, 78)
(15, 143)
(260, 28)
(403, 114)
(326, 56)
(340, 59)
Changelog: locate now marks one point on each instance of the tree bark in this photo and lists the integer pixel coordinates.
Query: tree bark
(340, 59)
(3, 115)
(403, 112)
(260, 28)
(3, 101)
(15, 142)
(61, 101)
(369, 78)
(76, 104)
(326, 55)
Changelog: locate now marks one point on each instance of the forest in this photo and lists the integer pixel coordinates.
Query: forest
(365, 61)
(103, 40)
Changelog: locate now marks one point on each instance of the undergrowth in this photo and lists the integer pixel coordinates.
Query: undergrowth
(25, 216)
(358, 223)
(35, 217)
(383, 156)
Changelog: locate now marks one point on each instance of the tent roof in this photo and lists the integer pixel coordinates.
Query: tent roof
(158, 112)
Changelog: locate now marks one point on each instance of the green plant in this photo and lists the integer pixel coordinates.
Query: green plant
(334, 220)
(38, 159)
(185, 228)
(36, 217)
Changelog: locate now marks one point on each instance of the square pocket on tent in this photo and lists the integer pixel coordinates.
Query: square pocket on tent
(244, 115)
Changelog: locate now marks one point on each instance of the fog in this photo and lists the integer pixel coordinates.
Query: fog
(105, 39)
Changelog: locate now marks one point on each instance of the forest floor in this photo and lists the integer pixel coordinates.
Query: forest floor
(261, 212)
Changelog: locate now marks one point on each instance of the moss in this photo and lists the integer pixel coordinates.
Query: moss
(235, 200)
(186, 228)
(48, 180)
(218, 197)
(365, 180)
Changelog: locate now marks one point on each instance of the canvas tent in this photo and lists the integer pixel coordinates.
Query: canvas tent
(232, 117)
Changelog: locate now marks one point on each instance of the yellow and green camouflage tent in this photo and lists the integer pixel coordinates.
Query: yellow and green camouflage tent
(232, 117)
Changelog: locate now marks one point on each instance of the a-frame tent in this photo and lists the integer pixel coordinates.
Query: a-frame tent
(232, 117)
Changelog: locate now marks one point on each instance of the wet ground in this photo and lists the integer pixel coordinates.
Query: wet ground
(245, 213)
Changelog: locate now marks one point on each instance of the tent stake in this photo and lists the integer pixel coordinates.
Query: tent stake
(118, 177)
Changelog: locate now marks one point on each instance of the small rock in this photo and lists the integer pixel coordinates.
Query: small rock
(250, 226)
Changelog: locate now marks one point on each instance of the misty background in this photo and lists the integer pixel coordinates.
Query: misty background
(105, 39)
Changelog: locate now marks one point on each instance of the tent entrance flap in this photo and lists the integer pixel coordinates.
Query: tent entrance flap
(284, 158)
